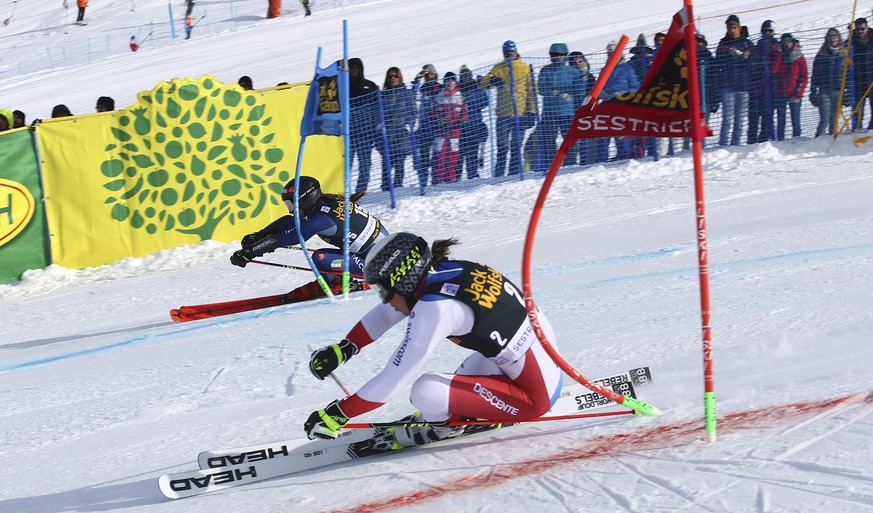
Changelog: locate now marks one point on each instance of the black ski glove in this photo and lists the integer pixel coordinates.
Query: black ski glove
(254, 250)
(325, 360)
(239, 258)
(325, 423)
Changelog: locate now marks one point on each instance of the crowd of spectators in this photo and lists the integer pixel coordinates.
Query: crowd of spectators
(440, 126)
(758, 82)
(10, 119)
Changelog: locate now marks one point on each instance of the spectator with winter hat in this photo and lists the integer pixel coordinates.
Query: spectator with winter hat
(363, 120)
(474, 131)
(766, 60)
(18, 119)
(6, 119)
(557, 84)
(516, 110)
(105, 104)
(622, 80)
(449, 115)
(426, 85)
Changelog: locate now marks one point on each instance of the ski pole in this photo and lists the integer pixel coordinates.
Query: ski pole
(479, 422)
(340, 383)
(9, 19)
(299, 268)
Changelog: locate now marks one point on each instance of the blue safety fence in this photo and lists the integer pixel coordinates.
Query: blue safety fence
(417, 135)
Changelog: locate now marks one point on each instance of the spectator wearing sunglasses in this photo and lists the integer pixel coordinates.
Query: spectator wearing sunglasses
(558, 84)
(396, 105)
(509, 374)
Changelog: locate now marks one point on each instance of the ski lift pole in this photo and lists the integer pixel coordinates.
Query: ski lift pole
(172, 26)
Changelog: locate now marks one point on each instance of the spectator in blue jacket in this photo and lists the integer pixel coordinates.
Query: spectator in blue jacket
(766, 61)
(396, 108)
(733, 72)
(474, 131)
(557, 83)
(426, 87)
(641, 57)
(622, 80)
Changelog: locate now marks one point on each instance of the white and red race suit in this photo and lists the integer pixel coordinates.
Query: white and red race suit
(509, 376)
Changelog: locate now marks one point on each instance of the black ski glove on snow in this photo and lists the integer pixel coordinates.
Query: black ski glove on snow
(325, 360)
(239, 258)
(325, 423)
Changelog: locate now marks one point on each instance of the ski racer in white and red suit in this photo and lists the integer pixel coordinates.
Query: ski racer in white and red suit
(509, 375)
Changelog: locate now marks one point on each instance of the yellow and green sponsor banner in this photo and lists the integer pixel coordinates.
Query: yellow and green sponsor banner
(193, 159)
(23, 240)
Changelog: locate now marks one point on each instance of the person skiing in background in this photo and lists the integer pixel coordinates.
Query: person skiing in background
(305, 4)
(322, 216)
(509, 375)
(274, 9)
(80, 18)
(189, 25)
(134, 46)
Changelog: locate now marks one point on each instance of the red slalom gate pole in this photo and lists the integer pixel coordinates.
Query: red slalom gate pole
(697, 134)
(630, 402)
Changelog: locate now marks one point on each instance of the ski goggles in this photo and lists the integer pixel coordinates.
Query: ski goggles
(385, 292)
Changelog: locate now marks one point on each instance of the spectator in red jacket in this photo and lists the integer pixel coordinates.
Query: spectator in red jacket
(789, 85)
(448, 116)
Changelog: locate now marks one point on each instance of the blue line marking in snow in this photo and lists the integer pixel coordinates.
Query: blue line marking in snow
(141, 338)
(204, 324)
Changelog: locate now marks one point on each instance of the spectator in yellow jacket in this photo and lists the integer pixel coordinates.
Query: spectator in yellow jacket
(516, 110)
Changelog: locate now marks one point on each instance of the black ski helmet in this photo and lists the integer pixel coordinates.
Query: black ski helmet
(396, 265)
(310, 193)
